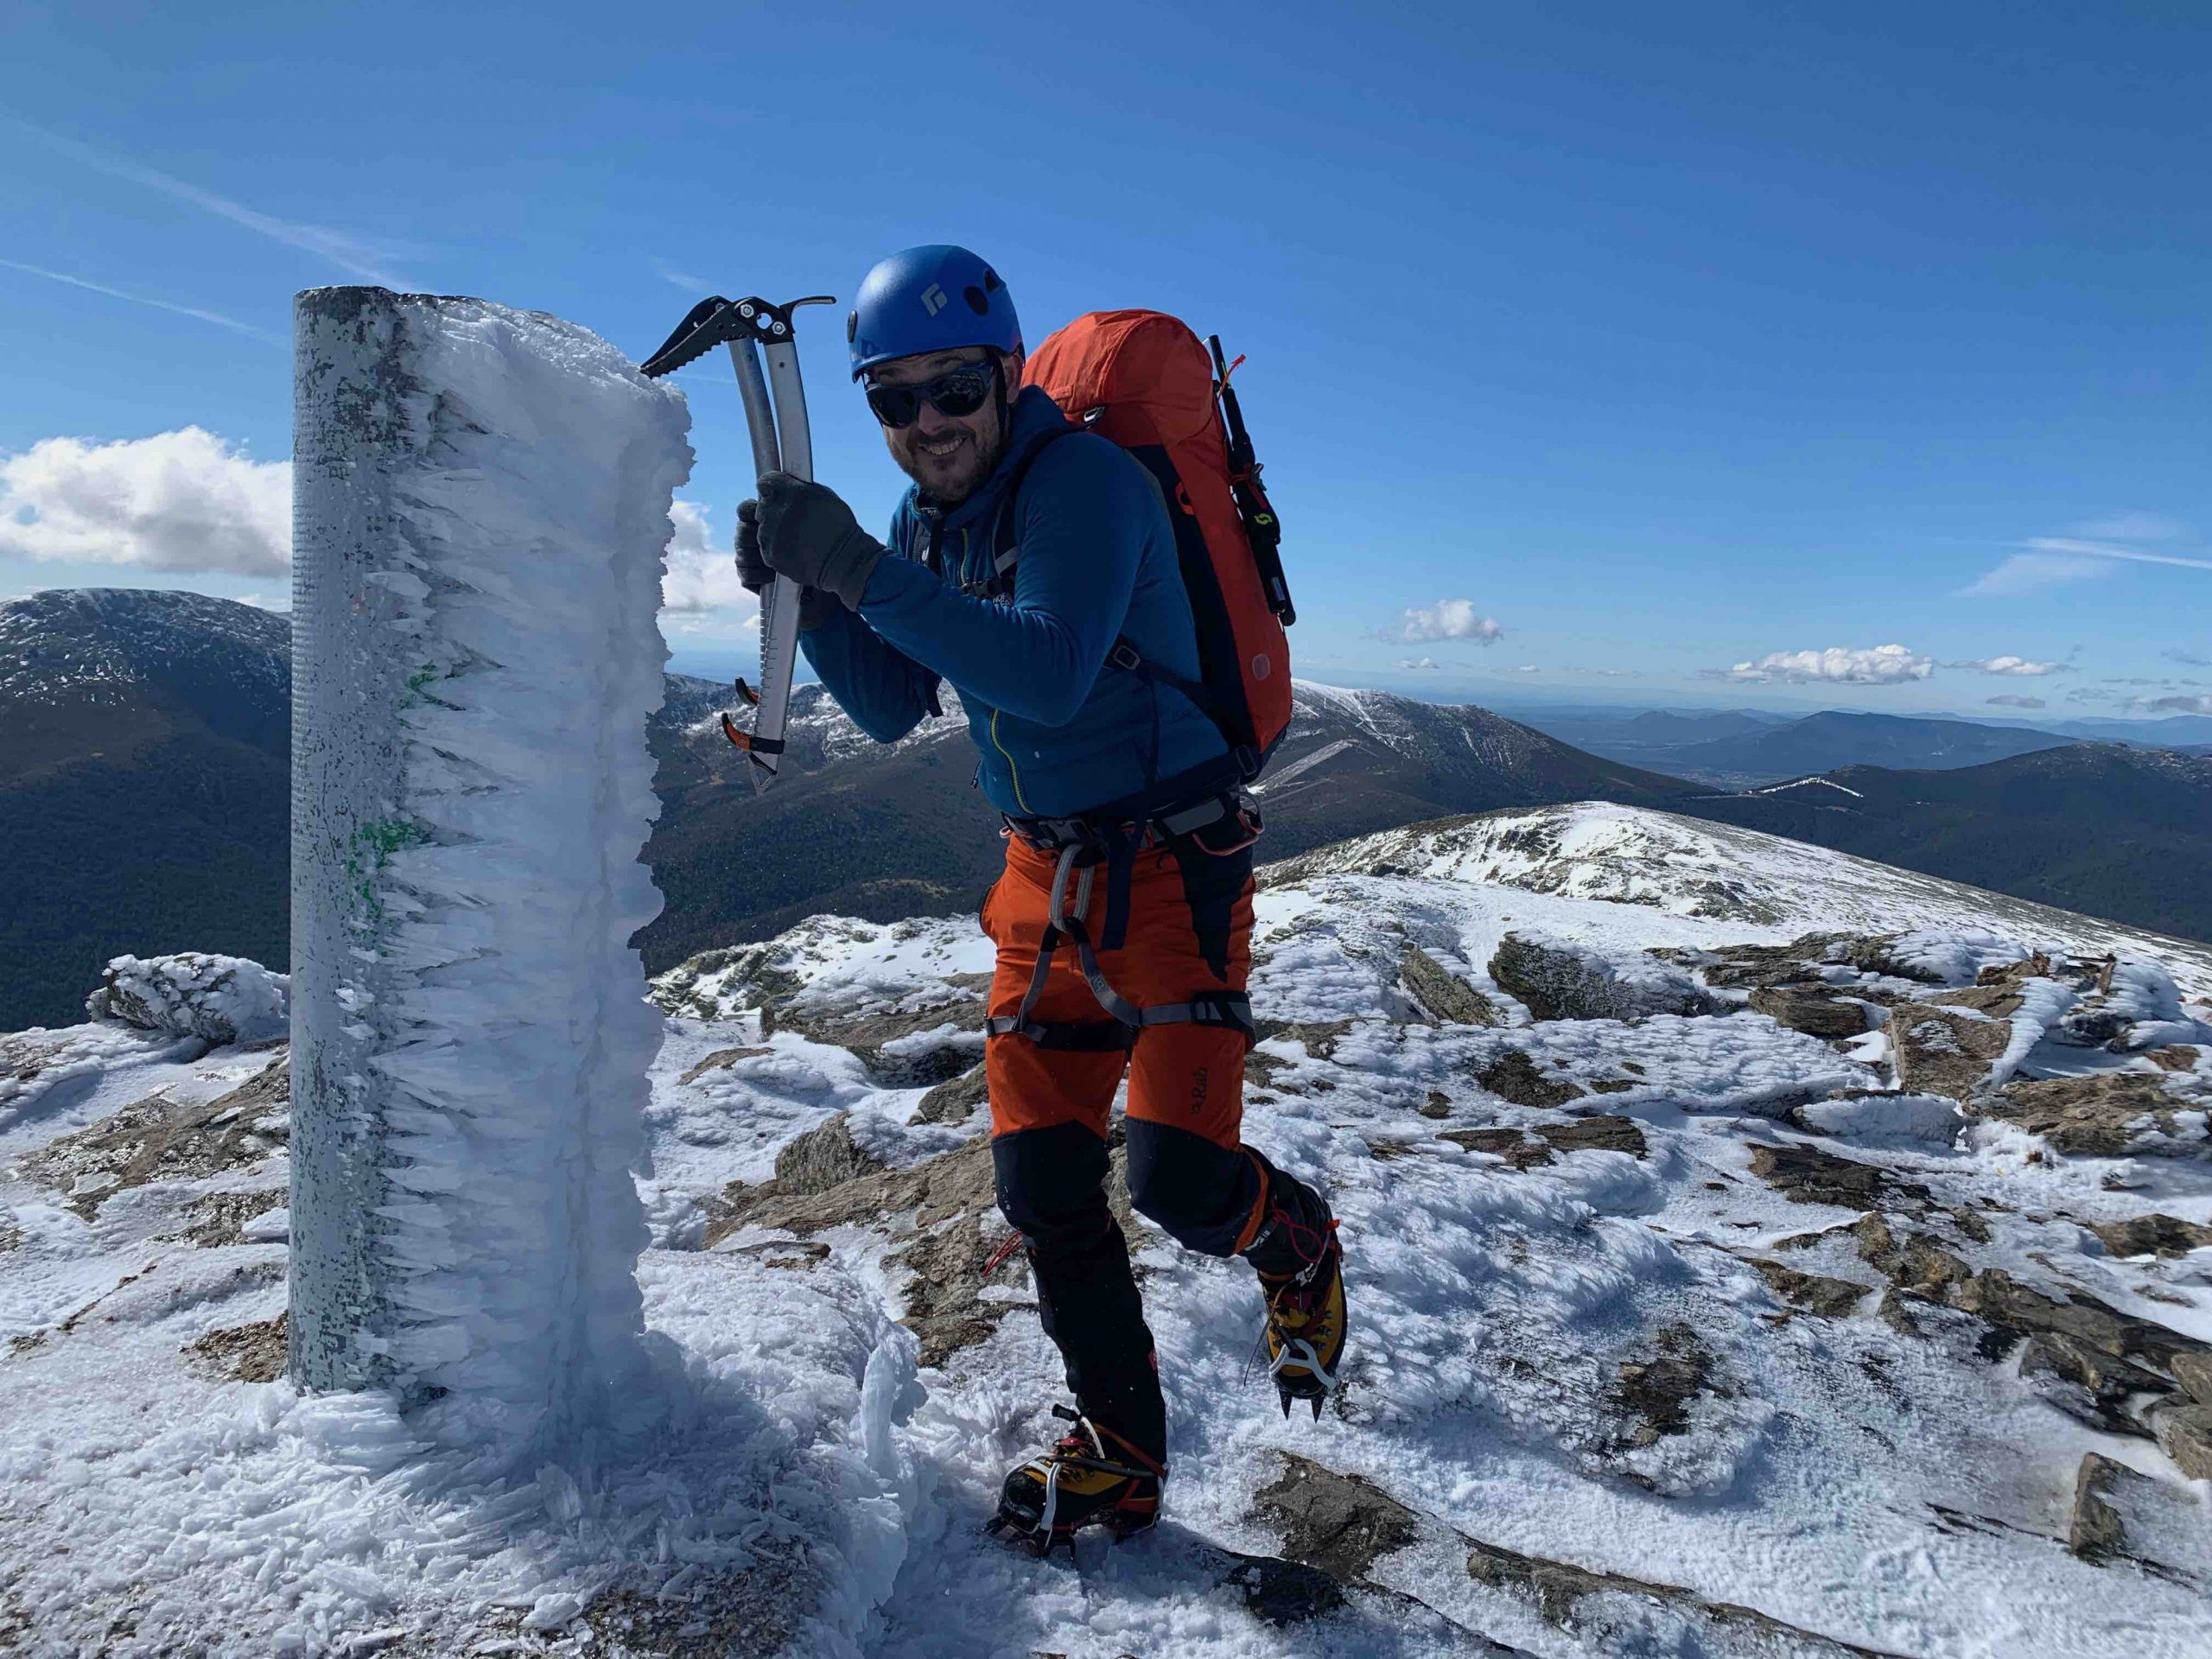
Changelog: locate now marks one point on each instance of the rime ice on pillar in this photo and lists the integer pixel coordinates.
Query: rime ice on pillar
(480, 503)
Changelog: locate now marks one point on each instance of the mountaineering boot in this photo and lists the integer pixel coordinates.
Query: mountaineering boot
(1300, 1266)
(1090, 1476)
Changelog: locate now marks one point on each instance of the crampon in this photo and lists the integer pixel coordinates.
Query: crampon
(1305, 1329)
(1090, 1476)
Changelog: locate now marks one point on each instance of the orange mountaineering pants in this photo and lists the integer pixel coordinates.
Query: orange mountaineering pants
(1170, 925)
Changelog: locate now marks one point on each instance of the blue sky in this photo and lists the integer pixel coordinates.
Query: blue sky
(1665, 340)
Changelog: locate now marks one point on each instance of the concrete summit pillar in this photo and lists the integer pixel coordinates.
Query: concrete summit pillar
(480, 506)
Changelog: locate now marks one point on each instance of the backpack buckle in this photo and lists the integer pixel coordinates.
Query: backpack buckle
(1125, 656)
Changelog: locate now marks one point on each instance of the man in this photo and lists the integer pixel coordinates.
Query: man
(1024, 552)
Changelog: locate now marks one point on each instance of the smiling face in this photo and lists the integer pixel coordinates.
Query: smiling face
(948, 456)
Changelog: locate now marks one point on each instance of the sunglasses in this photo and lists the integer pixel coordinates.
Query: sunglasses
(955, 394)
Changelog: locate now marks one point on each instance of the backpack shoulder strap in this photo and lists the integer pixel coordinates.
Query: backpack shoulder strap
(1006, 523)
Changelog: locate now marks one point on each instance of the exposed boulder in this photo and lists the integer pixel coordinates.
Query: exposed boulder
(1558, 980)
(2184, 1432)
(1338, 1523)
(244, 1353)
(903, 1049)
(2104, 1114)
(1533, 1147)
(220, 999)
(1831, 1299)
(1599, 1134)
(2194, 1373)
(1941, 1051)
(1441, 994)
(2119, 1515)
(1750, 967)
(720, 1059)
(1517, 1147)
(1513, 1076)
(822, 1157)
(955, 1102)
(1654, 1393)
(1809, 1175)
(1997, 1001)
(2151, 1234)
(1815, 1013)
(2086, 1384)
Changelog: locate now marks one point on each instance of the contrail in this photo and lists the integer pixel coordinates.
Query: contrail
(2103, 550)
(349, 253)
(215, 317)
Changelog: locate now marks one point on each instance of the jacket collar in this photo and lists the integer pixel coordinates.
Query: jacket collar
(1037, 420)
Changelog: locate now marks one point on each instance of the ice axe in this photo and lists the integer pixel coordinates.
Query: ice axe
(781, 442)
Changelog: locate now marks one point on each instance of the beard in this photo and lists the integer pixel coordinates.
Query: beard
(950, 478)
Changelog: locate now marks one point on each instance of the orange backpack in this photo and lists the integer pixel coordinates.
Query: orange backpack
(1142, 379)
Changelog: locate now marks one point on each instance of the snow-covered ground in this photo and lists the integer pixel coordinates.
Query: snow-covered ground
(1688, 1333)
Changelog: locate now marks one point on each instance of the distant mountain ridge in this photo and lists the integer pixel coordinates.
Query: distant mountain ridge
(1823, 741)
(144, 787)
(884, 833)
(2105, 829)
(144, 800)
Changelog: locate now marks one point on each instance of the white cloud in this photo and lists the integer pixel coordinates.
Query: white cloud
(182, 501)
(2181, 705)
(701, 579)
(1839, 666)
(1449, 618)
(2030, 573)
(1527, 668)
(1418, 663)
(2011, 701)
(2024, 667)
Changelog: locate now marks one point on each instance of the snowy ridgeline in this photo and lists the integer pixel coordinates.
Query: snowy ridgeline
(481, 502)
(1743, 1290)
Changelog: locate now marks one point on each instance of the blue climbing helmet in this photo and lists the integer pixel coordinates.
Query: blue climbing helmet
(930, 299)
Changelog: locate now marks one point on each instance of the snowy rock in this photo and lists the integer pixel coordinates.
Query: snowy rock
(2151, 1234)
(1815, 1013)
(1442, 994)
(1556, 979)
(1833, 1299)
(1932, 1119)
(1941, 1051)
(823, 1159)
(223, 998)
(2107, 1113)
(954, 1102)
(1808, 1175)
(2119, 1515)
(2186, 1435)
(1513, 1076)
(158, 1139)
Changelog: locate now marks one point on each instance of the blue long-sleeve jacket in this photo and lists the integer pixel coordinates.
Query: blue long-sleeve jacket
(1060, 731)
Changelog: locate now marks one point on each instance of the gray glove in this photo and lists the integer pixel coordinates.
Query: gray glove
(808, 534)
(815, 608)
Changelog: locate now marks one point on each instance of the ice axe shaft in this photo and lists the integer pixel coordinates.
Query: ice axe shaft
(775, 419)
